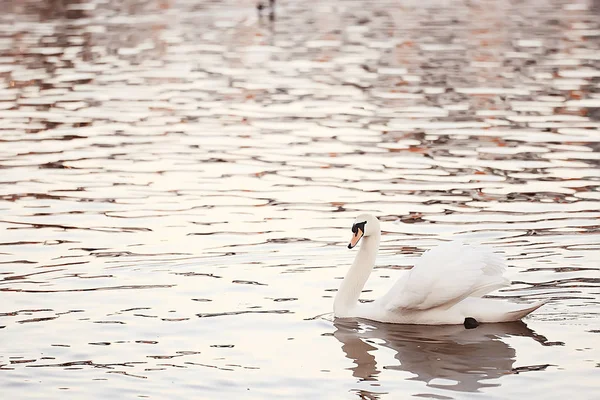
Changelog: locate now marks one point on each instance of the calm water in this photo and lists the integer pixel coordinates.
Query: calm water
(178, 180)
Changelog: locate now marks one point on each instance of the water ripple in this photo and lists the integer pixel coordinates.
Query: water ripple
(166, 163)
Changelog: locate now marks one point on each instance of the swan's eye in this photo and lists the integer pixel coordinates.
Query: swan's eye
(357, 226)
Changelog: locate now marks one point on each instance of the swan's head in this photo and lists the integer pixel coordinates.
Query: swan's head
(364, 225)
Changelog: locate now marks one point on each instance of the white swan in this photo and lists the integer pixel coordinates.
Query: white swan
(445, 286)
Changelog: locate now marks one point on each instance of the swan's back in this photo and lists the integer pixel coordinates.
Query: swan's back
(446, 275)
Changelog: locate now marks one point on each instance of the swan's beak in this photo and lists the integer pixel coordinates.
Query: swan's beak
(355, 238)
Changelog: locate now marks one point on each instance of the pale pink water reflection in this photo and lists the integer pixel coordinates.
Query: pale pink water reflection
(177, 181)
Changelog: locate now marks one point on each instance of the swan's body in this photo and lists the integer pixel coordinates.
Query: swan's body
(444, 287)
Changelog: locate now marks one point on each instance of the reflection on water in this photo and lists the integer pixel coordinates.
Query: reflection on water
(465, 360)
(177, 180)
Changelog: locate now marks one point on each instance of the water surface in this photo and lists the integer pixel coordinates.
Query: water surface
(178, 180)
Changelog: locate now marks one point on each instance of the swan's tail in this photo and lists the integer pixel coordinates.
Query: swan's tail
(494, 310)
(516, 315)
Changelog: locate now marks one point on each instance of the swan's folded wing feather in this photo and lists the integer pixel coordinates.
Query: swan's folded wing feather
(446, 275)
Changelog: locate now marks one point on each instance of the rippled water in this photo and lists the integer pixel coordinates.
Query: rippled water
(178, 180)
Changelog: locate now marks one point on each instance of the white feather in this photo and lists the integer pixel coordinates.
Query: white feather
(446, 275)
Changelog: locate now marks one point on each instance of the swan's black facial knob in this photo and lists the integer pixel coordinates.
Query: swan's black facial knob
(358, 225)
(358, 231)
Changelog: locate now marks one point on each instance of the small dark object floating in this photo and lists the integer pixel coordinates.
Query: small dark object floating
(470, 323)
(260, 6)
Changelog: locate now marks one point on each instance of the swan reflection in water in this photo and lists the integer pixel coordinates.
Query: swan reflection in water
(468, 357)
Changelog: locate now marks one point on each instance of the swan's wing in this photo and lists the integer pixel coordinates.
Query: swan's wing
(446, 275)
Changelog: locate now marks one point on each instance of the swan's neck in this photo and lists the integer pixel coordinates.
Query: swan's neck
(354, 282)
